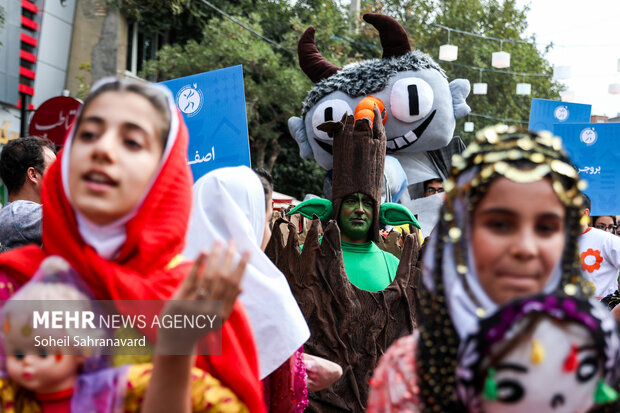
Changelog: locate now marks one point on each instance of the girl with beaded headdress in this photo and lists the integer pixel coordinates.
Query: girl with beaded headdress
(508, 229)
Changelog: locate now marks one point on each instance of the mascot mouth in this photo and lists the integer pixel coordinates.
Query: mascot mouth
(394, 144)
(327, 147)
(409, 138)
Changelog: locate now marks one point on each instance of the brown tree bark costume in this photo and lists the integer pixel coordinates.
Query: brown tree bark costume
(349, 326)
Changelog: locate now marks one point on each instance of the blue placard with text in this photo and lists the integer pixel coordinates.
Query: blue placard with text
(595, 150)
(545, 113)
(213, 106)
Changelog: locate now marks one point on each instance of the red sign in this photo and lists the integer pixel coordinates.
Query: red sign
(54, 118)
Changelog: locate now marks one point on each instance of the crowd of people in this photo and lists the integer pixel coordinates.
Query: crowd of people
(497, 310)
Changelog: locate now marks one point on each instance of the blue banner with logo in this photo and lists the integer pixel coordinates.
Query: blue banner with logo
(213, 106)
(545, 113)
(595, 150)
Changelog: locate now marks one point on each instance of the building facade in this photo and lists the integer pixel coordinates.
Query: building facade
(51, 48)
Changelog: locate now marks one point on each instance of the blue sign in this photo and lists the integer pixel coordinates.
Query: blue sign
(595, 150)
(545, 113)
(213, 106)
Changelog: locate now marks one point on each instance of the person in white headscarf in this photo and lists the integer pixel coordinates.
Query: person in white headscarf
(232, 204)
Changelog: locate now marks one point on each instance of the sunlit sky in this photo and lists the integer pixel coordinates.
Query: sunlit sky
(586, 35)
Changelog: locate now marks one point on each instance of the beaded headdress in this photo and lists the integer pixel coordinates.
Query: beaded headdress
(499, 151)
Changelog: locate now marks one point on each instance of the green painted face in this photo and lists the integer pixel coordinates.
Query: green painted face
(355, 218)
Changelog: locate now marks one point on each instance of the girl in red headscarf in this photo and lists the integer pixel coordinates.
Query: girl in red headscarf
(116, 207)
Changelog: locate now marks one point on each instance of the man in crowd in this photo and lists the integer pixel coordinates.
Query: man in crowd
(432, 187)
(23, 163)
(599, 252)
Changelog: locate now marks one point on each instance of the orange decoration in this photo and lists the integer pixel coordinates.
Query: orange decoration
(364, 109)
(6, 327)
(595, 265)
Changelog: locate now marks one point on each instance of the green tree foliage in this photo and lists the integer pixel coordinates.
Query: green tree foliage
(202, 39)
(274, 84)
(501, 19)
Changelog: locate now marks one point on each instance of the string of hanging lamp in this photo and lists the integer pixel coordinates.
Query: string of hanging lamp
(449, 53)
(499, 60)
(469, 126)
(506, 120)
(508, 72)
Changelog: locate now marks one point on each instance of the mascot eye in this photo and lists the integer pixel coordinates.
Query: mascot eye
(509, 391)
(411, 99)
(587, 368)
(329, 111)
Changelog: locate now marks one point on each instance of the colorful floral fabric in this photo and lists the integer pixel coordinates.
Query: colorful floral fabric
(207, 393)
(394, 384)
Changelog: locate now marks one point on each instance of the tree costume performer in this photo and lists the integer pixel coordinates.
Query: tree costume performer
(349, 325)
(355, 203)
(508, 229)
(421, 107)
(545, 353)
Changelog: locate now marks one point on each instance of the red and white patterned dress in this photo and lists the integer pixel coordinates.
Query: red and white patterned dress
(394, 384)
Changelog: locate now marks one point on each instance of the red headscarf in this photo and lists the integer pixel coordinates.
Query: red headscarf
(144, 268)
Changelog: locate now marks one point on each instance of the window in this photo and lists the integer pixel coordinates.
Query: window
(141, 46)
